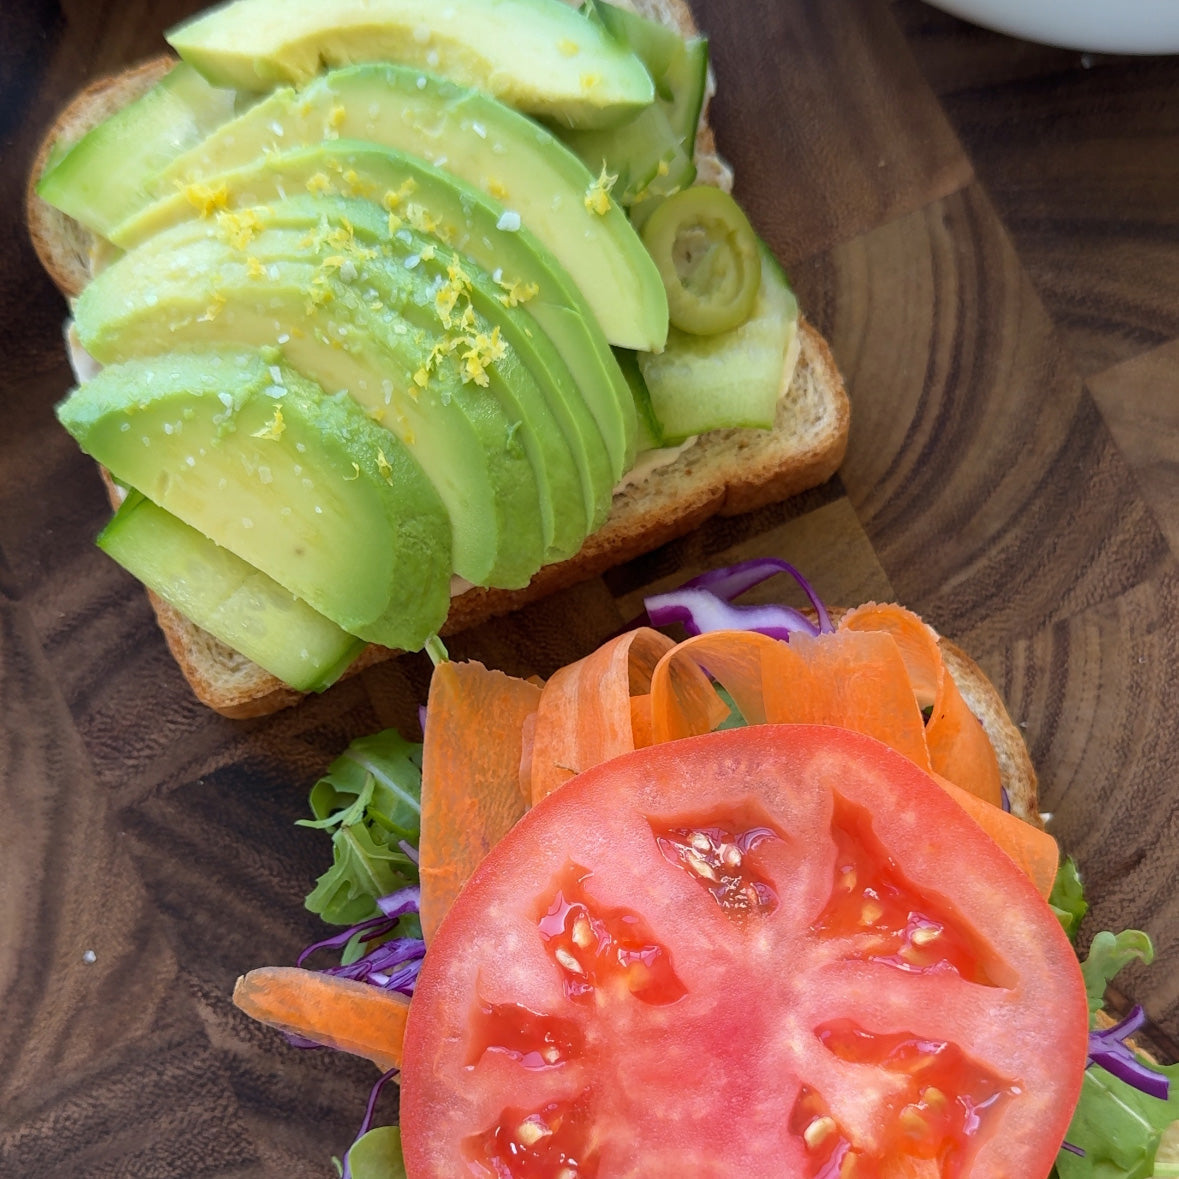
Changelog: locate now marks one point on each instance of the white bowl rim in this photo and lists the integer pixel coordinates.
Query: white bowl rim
(1127, 26)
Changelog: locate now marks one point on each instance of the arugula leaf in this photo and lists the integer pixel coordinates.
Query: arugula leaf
(370, 800)
(1068, 897)
(1108, 953)
(395, 766)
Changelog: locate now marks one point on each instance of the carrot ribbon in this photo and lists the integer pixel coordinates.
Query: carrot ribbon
(336, 1012)
(471, 797)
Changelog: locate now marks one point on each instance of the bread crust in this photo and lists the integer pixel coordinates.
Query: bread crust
(62, 245)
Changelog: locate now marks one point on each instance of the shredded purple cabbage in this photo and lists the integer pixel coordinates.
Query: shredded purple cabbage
(393, 965)
(1108, 1048)
(730, 581)
(405, 900)
(705, 603)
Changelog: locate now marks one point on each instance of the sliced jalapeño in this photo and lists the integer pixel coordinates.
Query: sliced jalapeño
(707, 255)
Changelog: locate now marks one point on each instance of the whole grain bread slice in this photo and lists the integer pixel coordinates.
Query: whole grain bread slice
(724, 472)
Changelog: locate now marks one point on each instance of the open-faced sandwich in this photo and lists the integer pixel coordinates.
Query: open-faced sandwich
(392, 316)
(774, 900)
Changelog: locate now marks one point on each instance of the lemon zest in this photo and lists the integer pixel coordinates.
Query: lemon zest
(357, 185)
(457, 285)
(484, 351)
(214, 308)
(320, 184)
(421, 218)
(597, 196)
(273, 430)
(517, 292)
(394, 197)
(239, 228)
(334, 121)
(207, 199)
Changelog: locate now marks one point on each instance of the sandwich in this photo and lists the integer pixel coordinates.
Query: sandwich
(242, 242)
(728, 905)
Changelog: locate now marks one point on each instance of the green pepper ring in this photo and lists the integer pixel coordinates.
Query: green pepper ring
(706, 253)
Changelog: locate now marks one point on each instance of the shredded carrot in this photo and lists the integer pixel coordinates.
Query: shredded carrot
(683, 700)
(527, 739)
(856, 680)
(640, 720)
(471, 792)
(337, 1012)
(1032, 848)
(959, 748)
(584, 716)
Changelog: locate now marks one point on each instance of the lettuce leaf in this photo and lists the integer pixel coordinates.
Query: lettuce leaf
(1117, 1126)
(370, 801)
(377, 1155)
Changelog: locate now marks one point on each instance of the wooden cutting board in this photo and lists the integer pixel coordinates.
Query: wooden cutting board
(987, 232)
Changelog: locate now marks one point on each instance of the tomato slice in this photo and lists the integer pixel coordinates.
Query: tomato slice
(778, 951)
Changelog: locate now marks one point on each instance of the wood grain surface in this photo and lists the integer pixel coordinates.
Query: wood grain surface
(987, 232)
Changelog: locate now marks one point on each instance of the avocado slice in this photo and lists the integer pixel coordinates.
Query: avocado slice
(650, 431)
(539, 56)
(533, 377)
(201, 284)
(302, 486)
(427, 198)
(540, 182)
(106, 175)
(651, 154)
(299, 226)
(227, 597)
(678, 65)
(530, 379)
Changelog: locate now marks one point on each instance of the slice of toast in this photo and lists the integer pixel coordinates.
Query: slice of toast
(724, 472)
